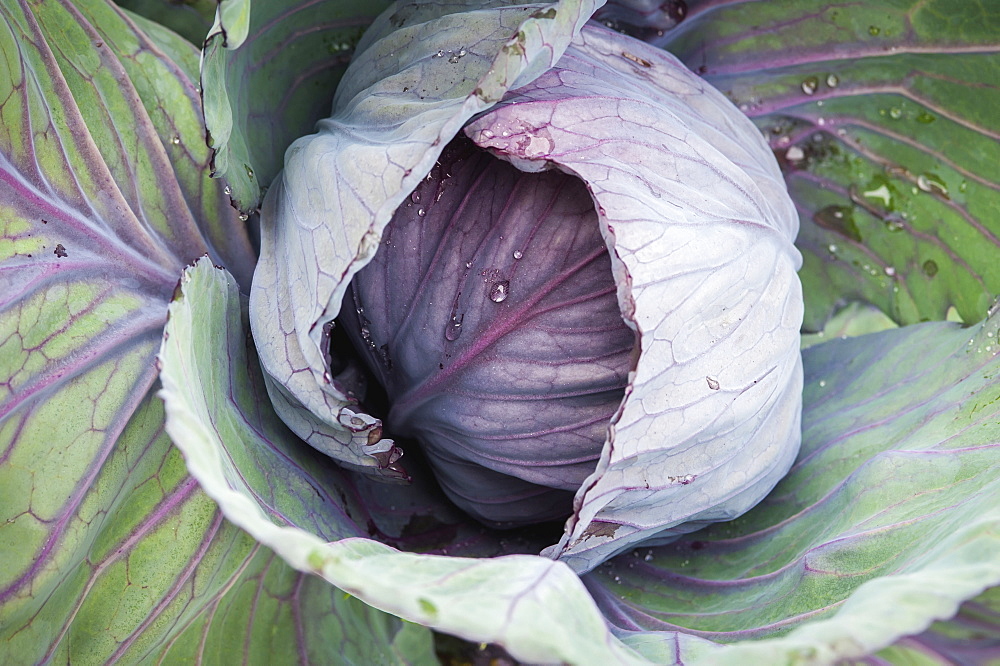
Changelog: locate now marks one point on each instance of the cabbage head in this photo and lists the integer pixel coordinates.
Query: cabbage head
(452, 331)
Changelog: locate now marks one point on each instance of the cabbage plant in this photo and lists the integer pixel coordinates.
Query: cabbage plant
(198, 463)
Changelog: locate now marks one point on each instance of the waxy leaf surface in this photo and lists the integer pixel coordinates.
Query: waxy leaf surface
(883, 116)
(110, 550)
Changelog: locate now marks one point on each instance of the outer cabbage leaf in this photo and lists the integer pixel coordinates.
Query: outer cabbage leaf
(971, 637)
(700, 229)
(110, 550)
(420, 73)
(272, 485)
(883, 116)
(852, 320)
(298, 47)
(190, 19)
(887, 522)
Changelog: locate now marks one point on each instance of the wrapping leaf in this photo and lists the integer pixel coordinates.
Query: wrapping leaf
(300, 48)
(693, 209)
(397, 106)
(234, 443)
(886, 522)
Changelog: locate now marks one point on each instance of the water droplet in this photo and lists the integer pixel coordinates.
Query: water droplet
(822, 383)
(468, 264)
(890, 270)
(648, 557)
(882, 192)
(713, 383)
(505, 133)
(228, 190)
(454, 328)
(244, 217)
(839, 219)
(415, 196)
(895, 113)
(810, 85)
(421, 212)
(930, 268)
(832, 248)
(176, 140)
(874, 30)
(926, 118)
(249, 171)
(518, 254)
(930, 183)
(686, 479)
(963, 186)
(439, 54)
(795, 154)
(500, 291)
(486, 134)
(832, 80)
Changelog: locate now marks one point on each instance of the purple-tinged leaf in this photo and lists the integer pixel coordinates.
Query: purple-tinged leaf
(886, 522)
(883, 115)
(110, 550)
(268, 75)
(489, 314)
(419, 75)
(693, 209)
(234, 444)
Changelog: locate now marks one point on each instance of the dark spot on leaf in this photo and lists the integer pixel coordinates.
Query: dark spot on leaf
(839, 219)
(930, 268)
(402, 15)
(549, 13)
(45, 221)
(636, 59)
(60, 251)
(600, 529)
(427, 607)
(697, 545)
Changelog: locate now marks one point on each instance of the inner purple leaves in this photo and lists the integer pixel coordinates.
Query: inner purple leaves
(489, 316)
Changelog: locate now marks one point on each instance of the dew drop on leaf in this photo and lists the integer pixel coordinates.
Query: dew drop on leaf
(931, 183)
(499, 291)
(454, 328)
